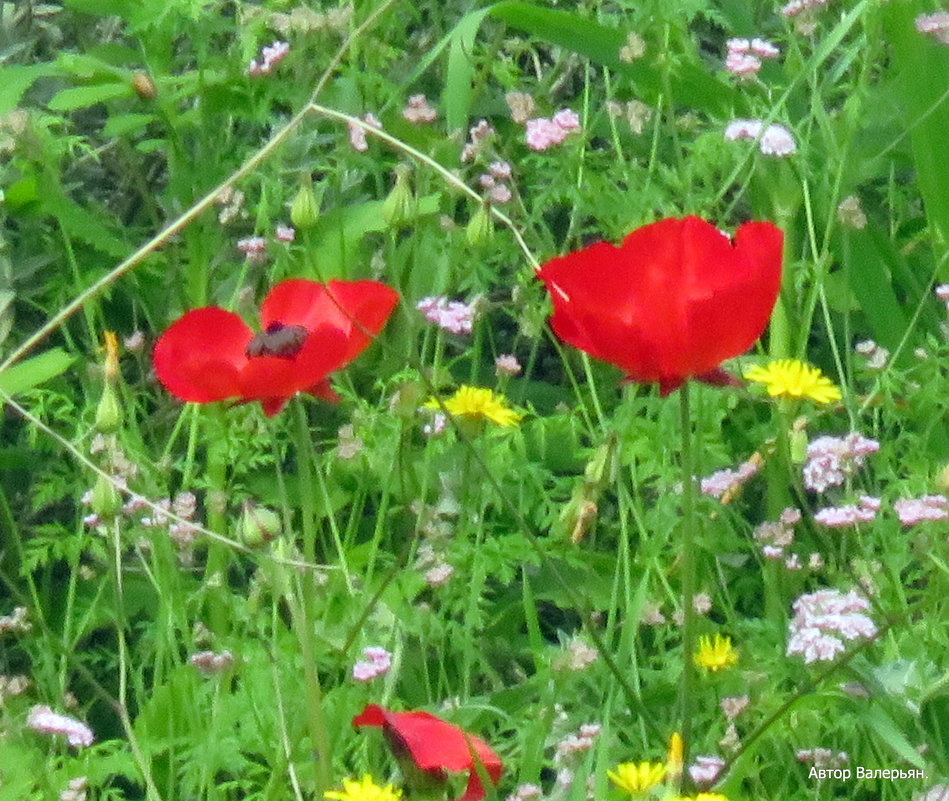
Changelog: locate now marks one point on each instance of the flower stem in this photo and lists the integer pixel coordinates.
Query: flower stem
(687, 565)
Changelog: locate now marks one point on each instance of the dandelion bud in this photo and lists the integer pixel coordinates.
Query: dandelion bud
(305, 208)
(143, 85)
(480, 227)
(258, 525)
(106, 500)
(399, 207)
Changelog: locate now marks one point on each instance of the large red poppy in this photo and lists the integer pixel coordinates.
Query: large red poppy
(434, 746)
(309, 330)
(671, 303)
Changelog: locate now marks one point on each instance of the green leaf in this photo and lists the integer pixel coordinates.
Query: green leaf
(918, 61)
(33, 372)
(460, 72)
(85, 96)
(690, 82)
(17, 78)
(888, 733)
(123, 124)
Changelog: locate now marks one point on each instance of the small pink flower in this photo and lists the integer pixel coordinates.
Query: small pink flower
(45, 721)
(823, 619)
(567, 119)
(733, 706)
(849, 515)
(912, 511)
(499, 194)
(209, 662)
(376, 662)
(542, 134)
(271, 56)
(285, 233)
(507, 365)
(705, 770)
(439, 574)
(418, 111)
(500, 170)
(357, 134)
(449, 315)
(743, 65)
(935, 25)
(254, 248)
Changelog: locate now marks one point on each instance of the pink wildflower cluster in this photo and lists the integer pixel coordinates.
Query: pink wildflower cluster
(776, 536)
(864, 511)
(418, 111)
(376, 662)
(507, 365)
(477, 136)
(180, 528)
(733, 705)
(45, 721)
(831, 460)
(773, 140)
(542, 133)
(254, 248)
(494, 182)
(876, 355)
(744, 56)
(285, 233)
(823, 619)
(728, 482)
(357, 134)
(449, 315)
(567, 750)
(911, 511)
(704, 771)
(935, 25)
(578, 656)
(822, 757)
(437, 570)
(210, 662)
(270, 57)
(796, 7)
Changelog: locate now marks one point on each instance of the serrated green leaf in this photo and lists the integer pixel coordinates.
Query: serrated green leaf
(33, 372)
(84, 96)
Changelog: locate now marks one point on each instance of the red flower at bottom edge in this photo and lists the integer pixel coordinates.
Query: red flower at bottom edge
(309, 330)
(434, 746)
(672, 302)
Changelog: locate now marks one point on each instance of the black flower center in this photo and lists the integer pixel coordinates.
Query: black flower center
(282, 341)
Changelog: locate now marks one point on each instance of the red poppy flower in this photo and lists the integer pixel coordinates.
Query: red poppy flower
(309, 330)
(671, 303)
(433, 746)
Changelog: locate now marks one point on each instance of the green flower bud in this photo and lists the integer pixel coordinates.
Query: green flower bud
(108, 412)
(480, 227)
(258, 525)
(106, 499)
(399, 207)
(305, 208)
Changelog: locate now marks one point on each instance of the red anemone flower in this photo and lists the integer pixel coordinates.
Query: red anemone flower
(309, 330)
(671, 303)
(433, 746)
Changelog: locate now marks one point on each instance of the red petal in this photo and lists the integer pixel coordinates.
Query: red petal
(434, 744)
(357, 308)
(199, 358)
(672, 302)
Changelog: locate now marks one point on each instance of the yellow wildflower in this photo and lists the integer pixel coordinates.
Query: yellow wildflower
(475, 404)
(363, 790)
(674, 757)
(715, 653)
(790, 378)
(637, 778)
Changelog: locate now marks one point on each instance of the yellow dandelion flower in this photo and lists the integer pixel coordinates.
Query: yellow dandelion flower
(790, 378)
(637, 778)
(715, 653)
(363, 790)
(476, 404)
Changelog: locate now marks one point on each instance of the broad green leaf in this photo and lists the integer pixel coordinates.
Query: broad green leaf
(923, 74)
(15, 79)
(32, 372)
(85, 96)
(460, 72)
(890, 734)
